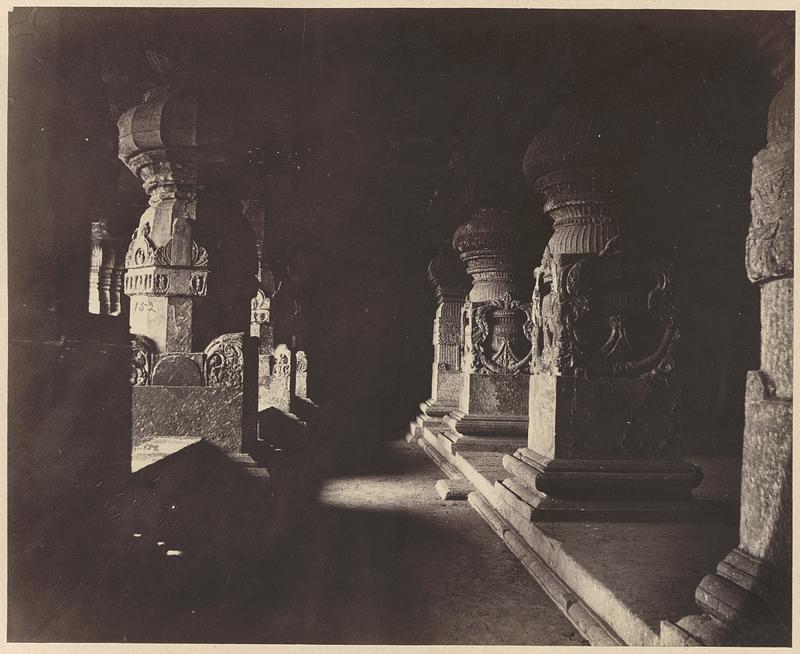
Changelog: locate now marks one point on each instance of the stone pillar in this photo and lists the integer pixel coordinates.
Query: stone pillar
(273, 317)
(748, 597)
(175, 143)
(493, 407)
(602, 395)
(446, 274)
(278, 385)
(103, 298)
(301, 375)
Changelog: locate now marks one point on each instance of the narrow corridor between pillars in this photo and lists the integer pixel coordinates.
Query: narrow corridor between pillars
(388, 561)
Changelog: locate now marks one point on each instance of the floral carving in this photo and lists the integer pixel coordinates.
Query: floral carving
(607, 314)
(260, 308)
(141, 251)
(224, 361)
(142, 350)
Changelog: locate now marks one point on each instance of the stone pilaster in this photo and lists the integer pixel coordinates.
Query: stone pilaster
(301, 375)
(602, 395)
(446, 275)
(750, 591)
(106, 272)
(277, 322)
(492, 409)
(175, 143)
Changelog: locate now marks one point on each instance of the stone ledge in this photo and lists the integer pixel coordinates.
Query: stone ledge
(633, 576)
(444, 465)
(594, 630)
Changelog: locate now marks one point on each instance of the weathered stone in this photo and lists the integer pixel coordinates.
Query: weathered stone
(275, 379)
(301, 374)
(602, 399)
(453, 489)
(748, 597)
(446, 274)
(190, 412)
(496, 333)
(177, 370)
(174, 142)
(576, 418)
(770, 241)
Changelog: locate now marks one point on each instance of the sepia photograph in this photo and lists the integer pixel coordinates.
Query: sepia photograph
(444, 325)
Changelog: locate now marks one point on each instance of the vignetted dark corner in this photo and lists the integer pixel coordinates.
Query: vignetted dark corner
(230, 232)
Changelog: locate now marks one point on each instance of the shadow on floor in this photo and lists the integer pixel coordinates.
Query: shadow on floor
(193, 551)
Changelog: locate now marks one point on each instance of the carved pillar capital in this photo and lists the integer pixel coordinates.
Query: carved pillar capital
(603, 328)
(487, 244)
(447, 276)
(576, 163)
(174, 142)
(496, 332)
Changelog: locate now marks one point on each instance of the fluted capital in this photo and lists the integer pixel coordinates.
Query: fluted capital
(488, 244)
(577, 165)
(577, 139)
(175, 129)
(487, 229)
(446, 273)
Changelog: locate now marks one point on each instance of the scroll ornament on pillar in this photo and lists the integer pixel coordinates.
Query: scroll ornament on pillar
(599, 308)
(604, 328)
(497, 326)
(493, 402)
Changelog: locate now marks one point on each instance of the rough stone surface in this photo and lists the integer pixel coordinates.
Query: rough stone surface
(486, 395)
(750, 590)
(275, 379)
(453, 489)
(777, 299)
(766, 516)
(604, 419)
(191, 412)
(670, 558)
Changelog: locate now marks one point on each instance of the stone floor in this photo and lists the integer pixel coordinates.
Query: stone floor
(634, 575)
(188, 553)
(411, 568)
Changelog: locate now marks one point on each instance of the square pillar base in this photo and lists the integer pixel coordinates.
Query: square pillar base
(546, 490)
(433, 410)
(492, 413)
(608, 479)
(186, 414)
(751, 598)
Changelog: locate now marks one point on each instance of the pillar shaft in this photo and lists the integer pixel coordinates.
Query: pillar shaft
(446, 275)
(492, 409)
(750, 591)
(190, 380)
(601, 391)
